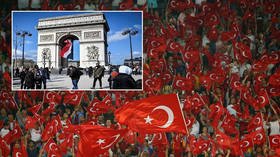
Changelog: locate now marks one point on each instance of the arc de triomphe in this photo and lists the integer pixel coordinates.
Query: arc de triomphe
(90, 29)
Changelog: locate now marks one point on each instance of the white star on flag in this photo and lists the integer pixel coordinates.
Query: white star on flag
(100, 141)
(148, 120)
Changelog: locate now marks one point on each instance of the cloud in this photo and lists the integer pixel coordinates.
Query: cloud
(137, 26)
(137, 53)
(117, 36)
(29, 42)
(28, 54)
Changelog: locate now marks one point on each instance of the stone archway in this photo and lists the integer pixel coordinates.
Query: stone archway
(90, 29)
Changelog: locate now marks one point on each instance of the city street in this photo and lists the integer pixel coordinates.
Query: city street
(63, 81)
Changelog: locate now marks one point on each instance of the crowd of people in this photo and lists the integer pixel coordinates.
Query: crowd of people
(119, 77)
(220, 57)
(33, 77)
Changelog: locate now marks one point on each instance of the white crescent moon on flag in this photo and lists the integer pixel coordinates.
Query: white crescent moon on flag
(76, 98)
(246, 144)
(110, 144)
(262, 99)
(50, 146)
(212, 76)
(173, 4)
(47, 96)
(276, 57)
(177, 83)
(275, 141)
(53, 155)
(259, 136)
(56, 122)
(244, 54)
(154, 43)
(169, 113)
(18, 154)
(91, 110)
(218, 108)
(171, 46)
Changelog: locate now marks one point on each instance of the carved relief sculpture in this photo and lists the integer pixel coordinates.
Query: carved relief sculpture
(93, 53)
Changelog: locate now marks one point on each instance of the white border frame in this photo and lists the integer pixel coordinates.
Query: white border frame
(84, 11)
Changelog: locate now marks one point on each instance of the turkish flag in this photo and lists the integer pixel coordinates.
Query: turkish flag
(51, 128)
(67, 143)
(9, 99)
(274, 141)
(13, 135)
(192, 56)
(30, 122)
(242, 52)
(228, 124)
(52, 148)
(22, 95)
(73, 97)
(20, 152)
(256, 122)
(174, 47)
(182, 83)
(51, 97)
(35, 108)
(274, 79)
(153, 114)
(228, 36)
(246, 143)
(159, 139)
(5, 148)
(258, 136)
(273, 91)
(259, 66)
(223, 140)
(49, 109)
(213, 34)
(201, 145)
(126, 5)
(180, 5)
(216, 111)
(97, 140)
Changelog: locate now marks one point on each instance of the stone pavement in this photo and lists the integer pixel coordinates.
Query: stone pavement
(63, 81)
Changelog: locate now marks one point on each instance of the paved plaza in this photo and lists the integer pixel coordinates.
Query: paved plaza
(63, 81)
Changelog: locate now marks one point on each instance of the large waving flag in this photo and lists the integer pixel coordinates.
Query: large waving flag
(154, 114)
(66, 50)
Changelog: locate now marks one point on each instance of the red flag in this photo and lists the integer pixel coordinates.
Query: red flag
(73, 98)
(246, 143)
(228, 36)
(66, 50)
(30, 122)
(35, 109)
(51, 128)
(274, 141)
(182, 83)
(159, 139)
(51, 147)
(274, 79)
(213, 34)
(5, 148)
(20, 152)
(67, 143)
(49, 109)
(51, 97)
(191, 56)
(255, 122)
(216, 111)
(13, 135)
(258, 136)
(180, 5)
(153, 114)
(126, 5)
(174, 47)
(97, 140)
(9, 99)
(223, 140)
(242, 52)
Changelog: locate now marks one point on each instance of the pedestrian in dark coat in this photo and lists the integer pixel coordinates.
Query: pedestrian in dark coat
(124, 80)
(29, 79)
(22, 75)
(98, 74)
(75, 75)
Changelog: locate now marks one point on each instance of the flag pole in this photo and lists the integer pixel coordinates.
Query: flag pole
(265, 131)
(273, 109)
(183, 116)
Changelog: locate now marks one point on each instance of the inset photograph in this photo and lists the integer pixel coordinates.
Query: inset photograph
(62, 50)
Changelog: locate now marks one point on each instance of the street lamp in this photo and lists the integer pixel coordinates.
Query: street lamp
(109, 54)
(23, 34)
(130, 32)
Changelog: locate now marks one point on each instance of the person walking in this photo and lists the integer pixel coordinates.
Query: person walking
(124, 80)
(38, 77)
(90, 71)
(29, 79)
(22, 75)
(45, 76)
(75, 75)
(98, 74)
